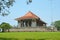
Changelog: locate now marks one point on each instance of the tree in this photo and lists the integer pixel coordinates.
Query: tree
(57, 24)
(4, 6)
(29, 1)
(5, 26)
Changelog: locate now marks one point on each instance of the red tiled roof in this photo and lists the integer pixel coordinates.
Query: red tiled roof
(29, 15)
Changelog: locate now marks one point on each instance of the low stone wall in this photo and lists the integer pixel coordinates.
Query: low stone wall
(28, 29)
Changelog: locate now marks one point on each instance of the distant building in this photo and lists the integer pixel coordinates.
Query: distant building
(30, 20)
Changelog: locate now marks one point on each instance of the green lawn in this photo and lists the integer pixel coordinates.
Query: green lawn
(30, 36)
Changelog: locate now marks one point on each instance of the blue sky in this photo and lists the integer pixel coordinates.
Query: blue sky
(45, 9)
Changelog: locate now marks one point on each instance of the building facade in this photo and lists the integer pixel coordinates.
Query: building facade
(30, 20)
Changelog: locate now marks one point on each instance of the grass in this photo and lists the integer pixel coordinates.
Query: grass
(30, 36)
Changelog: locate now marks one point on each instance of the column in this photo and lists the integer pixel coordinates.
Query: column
(33, 24)
(19, 25)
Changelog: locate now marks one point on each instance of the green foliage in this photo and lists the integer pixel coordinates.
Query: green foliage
(5, 26)
(29, 1)
(4, 5)
(57, 24)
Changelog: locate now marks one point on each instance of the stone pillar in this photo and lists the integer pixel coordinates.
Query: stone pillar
(33, 24)
(19, 25)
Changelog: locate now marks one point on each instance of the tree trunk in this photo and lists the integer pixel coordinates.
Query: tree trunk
(2, 30)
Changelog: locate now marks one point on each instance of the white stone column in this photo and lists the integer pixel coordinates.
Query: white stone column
(33, 24)
(19, 25)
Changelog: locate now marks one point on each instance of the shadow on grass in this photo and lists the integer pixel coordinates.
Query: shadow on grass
(33, 39)
(8, 39)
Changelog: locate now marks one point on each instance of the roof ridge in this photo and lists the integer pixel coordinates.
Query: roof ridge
(31, 14)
